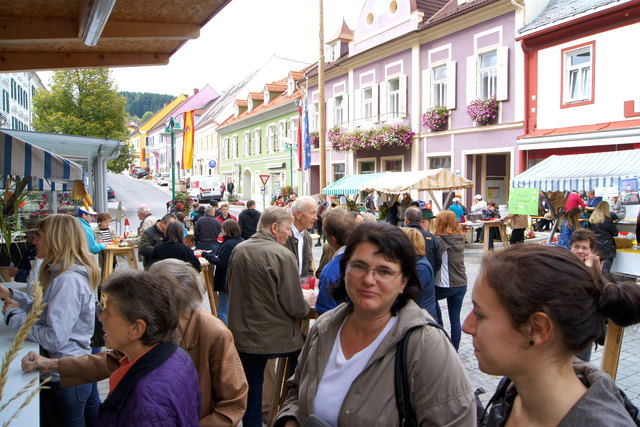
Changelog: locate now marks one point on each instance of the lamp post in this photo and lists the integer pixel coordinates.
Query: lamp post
(171, 129)
(289, 146)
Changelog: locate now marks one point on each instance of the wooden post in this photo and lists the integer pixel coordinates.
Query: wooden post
(612, 347)
(322, 125)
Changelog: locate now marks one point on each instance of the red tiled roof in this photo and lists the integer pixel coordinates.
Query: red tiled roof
(274, 87)
(452, 9)
(256, 95)
(344, 33)
(296, 75)
(275, 102)
(242, 102)
(430, 7)
(624, 124)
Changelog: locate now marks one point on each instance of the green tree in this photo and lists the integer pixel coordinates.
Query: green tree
(84, 102)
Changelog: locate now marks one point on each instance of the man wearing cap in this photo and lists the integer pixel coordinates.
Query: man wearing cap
(86, 217)
(457, 209)
(413, 217)
(477, 208)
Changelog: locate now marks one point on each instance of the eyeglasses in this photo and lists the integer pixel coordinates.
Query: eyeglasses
(381, 274)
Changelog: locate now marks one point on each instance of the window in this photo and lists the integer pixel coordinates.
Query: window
(367, 103)
(577, 78)
(393, 98)
(366, 166)
(338, 117)
(293, 131)
(439, 86)
(443, 162)
(246, 144)
(256, 141)
(392, 165)
(5, 101)
(280, 140)
(338, 171)
(234, 146)
(315, 117)
(488, 74)
(271, 134)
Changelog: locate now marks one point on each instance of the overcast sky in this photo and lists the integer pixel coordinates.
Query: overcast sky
(238, 40)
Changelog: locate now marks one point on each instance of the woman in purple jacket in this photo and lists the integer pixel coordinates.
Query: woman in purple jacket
(156, 383)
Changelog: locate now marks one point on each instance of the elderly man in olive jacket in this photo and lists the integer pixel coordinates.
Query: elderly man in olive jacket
(265, 303)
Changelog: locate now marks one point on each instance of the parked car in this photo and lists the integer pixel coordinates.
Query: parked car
(134, 170)
(110, 193)
(164, 179)
(140, 174)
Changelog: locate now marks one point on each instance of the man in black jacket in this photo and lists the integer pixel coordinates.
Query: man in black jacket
(413, 217)
(248, 220)
(207, 230)
(151, 237)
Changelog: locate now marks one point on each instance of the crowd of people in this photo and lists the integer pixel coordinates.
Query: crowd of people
(380, 283)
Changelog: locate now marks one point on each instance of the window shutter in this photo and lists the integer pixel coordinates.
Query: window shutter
(472, 74)
(345, 111)
(331, 112)
(502, 91)
(357, 106)
(402, 108)
(451, 85)
(374, 103)
(426, 90)
(383, 101)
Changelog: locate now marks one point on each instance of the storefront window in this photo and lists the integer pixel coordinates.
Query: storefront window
(338, 171)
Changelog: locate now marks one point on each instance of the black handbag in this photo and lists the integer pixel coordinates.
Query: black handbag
(401, 379)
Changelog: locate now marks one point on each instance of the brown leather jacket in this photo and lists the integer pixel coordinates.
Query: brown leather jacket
(223, 385)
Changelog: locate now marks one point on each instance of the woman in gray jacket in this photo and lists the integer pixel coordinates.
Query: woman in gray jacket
(451, 280)
(345, 373)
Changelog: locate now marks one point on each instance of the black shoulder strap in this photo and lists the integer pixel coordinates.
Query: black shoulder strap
(401, 381)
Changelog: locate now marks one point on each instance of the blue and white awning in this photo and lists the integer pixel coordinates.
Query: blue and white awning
(349, 184)
(48, 170)
(581, 172)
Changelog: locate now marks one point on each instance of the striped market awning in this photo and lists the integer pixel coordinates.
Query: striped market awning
(581, 172)
(403, 182)
(350, 184)
(48, 170)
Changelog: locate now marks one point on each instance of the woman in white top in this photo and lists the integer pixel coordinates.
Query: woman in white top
(345, 373)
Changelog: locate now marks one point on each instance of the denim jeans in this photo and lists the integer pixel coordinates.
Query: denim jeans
(253, 365)
(454, 297)
(63, 406)
(223, 306)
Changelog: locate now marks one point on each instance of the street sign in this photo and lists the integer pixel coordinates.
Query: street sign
(264, 179)
(212, 164)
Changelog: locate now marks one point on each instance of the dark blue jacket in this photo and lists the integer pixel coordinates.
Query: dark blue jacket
(248, 222)
(427, 298)
(328, 277)
(160, 389)
(432, 248)
(221, 261)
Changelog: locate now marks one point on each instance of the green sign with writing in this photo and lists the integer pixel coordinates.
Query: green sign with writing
(523, 201)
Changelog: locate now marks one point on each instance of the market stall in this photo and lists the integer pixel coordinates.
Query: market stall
(429, 180)
(349, 184)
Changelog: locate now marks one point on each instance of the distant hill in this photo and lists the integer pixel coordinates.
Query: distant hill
(139, 103)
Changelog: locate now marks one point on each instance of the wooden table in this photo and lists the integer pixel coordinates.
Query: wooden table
(112, 251)
(499, 224)
(207, 275)
(16, 379)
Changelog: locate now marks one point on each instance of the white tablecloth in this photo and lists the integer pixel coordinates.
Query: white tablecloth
(627, 261)
(29, 416)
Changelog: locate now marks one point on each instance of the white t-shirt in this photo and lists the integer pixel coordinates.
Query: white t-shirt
(340, 374)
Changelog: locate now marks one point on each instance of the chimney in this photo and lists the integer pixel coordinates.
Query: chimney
(165, 104)
(195, 91)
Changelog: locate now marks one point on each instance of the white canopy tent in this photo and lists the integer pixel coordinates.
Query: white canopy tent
(429, 180)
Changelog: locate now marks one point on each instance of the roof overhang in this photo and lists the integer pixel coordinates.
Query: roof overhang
(55, 34)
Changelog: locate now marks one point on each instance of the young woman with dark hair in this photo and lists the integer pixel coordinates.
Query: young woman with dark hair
(173, 246)
(534, 308)
(570, 223)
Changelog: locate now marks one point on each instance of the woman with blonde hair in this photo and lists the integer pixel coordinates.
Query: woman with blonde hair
(427, 298)
(602, 224)
(451, 280)
(69, 275)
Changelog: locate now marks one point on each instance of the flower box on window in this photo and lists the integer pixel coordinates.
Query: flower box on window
(483, 111)
(436, 118)
(385, 136)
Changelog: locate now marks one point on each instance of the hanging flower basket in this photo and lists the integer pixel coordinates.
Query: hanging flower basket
(483, 111)
(371, 139)
(314, 139)
(436, 118)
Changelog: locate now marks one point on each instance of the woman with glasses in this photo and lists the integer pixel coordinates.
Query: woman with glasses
(345, 373)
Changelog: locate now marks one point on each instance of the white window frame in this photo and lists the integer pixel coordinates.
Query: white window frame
(583, 71)
(315, 117)
(234, 146)
(282, 134)
(291, 86)
(246, 143)
(333, 171)
(387, 98)
(393, 98)
(225, 148)
(293, 130)
(487, 76)
(392, 158)
(359, 163)
(271, 134)
(256, 141)
(474, 86)
(439, 157)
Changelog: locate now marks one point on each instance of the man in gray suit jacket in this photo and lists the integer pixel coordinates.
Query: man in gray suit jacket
(300, 243)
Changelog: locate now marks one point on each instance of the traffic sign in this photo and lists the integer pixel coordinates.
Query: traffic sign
(212, 164)
(264, 179)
